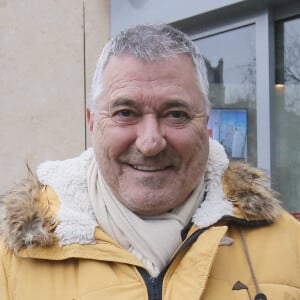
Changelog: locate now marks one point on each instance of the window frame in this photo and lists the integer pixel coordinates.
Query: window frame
(264, 22)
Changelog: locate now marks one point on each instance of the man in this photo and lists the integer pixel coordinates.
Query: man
(154, 210)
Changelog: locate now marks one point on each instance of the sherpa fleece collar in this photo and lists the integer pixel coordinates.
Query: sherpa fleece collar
(77, 220)
(235, 191)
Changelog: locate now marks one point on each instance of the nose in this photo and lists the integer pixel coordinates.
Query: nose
(150, 140)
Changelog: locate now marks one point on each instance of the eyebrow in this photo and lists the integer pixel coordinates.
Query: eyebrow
(123, 102)
(176, 103)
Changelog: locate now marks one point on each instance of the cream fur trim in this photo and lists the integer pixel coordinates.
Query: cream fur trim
(77, 219)
(214, 207)
(76, 215)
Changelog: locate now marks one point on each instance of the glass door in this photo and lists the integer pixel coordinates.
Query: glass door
(285, 117)
(231, 64)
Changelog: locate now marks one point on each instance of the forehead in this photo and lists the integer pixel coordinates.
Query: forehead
(128, 65)
(129, 77)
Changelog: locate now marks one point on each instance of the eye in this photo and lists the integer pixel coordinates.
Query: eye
(125, 115)
(176, 117)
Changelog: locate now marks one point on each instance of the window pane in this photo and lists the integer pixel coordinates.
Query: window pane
(230, 59)
(285, 132)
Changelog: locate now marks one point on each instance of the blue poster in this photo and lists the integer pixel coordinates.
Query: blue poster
(229, 127)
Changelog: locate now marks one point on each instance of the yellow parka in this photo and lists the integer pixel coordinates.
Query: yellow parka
(254, 252)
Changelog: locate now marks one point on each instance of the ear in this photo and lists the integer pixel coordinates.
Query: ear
(90, 119)
(207, 119)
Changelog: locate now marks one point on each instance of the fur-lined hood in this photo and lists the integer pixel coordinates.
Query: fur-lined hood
(31, 215)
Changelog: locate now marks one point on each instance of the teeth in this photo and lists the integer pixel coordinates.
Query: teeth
(148, 168)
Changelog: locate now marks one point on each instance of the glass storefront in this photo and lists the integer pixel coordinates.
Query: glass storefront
(233, 70)
(231, 64)
(285, 114)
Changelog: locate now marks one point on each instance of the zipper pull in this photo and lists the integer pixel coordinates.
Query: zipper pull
(260, 296)
(241, 286)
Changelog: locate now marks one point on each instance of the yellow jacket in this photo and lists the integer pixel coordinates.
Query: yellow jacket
(255, 250)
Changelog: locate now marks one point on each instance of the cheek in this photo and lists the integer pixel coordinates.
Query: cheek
(201, 145)
(190, 143)
(201, 138)
(112, 140)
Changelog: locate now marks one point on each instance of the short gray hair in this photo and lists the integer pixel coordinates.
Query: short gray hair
(149, 43)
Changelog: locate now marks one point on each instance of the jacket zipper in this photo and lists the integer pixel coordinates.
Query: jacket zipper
(154, 284)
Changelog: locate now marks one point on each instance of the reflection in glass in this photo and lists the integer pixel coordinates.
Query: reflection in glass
(229, 126)
(285, 106)
(231, 65)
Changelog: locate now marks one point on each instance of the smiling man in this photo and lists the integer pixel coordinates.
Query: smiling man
(154, 210)
(149, 131)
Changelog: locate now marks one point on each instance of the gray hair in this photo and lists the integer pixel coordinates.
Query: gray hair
(149, 43)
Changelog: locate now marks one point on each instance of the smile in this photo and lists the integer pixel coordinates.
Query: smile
(148, 168)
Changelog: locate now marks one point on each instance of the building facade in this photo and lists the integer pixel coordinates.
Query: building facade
(48, 53)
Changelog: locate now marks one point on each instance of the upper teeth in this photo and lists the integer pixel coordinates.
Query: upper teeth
(148, 168)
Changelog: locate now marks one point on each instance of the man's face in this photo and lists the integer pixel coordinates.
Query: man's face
(149, 132)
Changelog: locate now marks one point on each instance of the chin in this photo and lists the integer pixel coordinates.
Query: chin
(149, 211)
(152, 204)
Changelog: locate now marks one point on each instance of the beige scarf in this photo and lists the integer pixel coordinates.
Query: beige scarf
(152, 240)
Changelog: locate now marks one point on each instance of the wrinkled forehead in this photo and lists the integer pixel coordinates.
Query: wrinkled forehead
(177, 67)
(129, 77)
